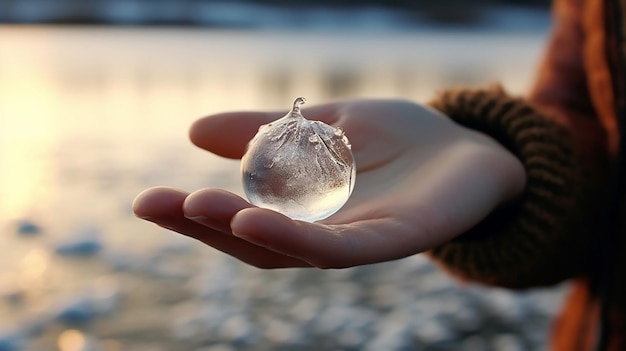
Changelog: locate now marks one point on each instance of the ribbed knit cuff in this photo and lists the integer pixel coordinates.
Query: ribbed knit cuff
(540, 239)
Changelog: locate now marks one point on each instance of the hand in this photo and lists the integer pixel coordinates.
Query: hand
(421, 180)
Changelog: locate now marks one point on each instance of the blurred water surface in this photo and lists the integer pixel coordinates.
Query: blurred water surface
(90, 116)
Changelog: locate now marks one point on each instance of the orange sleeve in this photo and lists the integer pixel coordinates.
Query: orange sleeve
(561, 89)
(548, 235)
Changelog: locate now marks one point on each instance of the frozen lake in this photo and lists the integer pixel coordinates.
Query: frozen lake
(90, 116)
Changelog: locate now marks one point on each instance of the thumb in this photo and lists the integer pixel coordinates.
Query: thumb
(227, 134)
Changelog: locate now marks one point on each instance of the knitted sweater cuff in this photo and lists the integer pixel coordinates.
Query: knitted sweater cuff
(538, 240)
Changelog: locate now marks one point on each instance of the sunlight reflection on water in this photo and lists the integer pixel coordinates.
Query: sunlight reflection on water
(126, 94)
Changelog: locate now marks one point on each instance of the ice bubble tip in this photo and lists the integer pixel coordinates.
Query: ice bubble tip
(295, 109)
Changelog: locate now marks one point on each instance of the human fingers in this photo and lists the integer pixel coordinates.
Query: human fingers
(331, 246)
(159, 202)
(213, 208)
(227, 134)
(164, 207)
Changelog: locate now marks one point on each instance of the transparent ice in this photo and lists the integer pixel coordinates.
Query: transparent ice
(300, 168)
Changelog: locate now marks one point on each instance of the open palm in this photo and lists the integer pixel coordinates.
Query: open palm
(421, 181)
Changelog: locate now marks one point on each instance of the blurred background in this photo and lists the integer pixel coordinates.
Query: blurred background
(96, 98)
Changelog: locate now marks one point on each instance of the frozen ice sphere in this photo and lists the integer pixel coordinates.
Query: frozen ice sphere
(300, 168)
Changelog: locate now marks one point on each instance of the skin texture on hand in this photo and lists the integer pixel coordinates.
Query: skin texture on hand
(421, 181)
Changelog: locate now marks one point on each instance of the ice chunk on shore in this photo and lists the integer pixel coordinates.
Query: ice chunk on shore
(85, 242)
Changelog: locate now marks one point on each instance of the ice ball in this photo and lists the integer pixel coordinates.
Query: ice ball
(300, 168)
